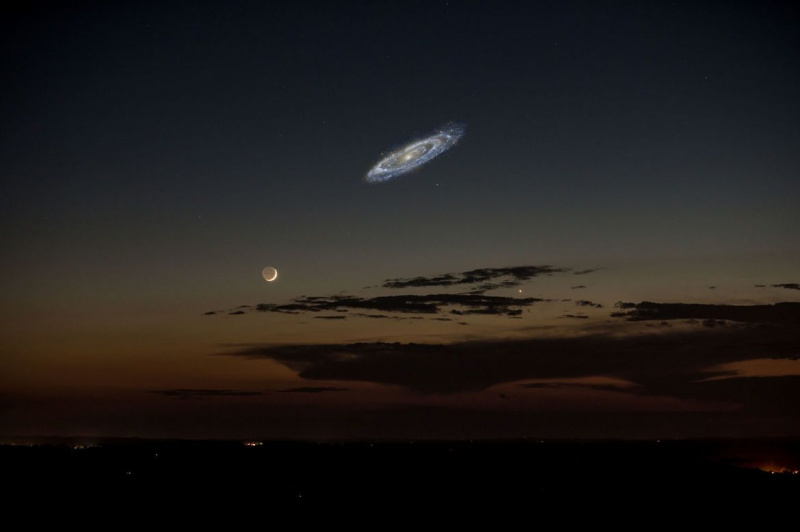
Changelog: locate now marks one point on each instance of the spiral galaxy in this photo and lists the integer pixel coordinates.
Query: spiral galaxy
(415, 154)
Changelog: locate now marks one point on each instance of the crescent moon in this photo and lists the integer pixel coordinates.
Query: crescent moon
(269, 274)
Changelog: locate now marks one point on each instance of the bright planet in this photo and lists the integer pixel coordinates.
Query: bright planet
(269, 274)
(417, 153)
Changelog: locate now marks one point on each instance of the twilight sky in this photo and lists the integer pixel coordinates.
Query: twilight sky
(610, 251)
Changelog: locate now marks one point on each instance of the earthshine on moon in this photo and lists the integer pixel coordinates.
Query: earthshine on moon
(269, 274)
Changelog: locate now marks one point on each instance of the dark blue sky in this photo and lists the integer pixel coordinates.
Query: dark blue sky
(158, 155)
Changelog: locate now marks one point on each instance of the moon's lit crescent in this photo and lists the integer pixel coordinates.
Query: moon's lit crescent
(269, 274)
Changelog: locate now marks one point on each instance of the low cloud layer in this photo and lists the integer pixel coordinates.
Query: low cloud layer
(194, 393)
(312, 389)
(588, 386)
(668, 363)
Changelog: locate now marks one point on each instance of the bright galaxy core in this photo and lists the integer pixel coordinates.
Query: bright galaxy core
(414, 155)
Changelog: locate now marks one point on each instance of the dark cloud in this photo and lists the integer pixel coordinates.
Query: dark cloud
(483, 277)
(500, 310)
(780, 313)
(576, 316)
(486, 287)
(210, 313)
(578, 286)
(192, 393)
(659, 363)
(585, 303)
(236, 313)
(789, 286)
(311, 389)
(588, 386)
(330, 317)
(758, 395)
(388, 317)
(584, 272)
(411, 304)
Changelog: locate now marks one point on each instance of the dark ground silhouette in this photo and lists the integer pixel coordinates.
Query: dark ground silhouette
(449, 476)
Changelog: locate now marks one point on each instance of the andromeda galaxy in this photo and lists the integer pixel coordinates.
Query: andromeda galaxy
(416, 154)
